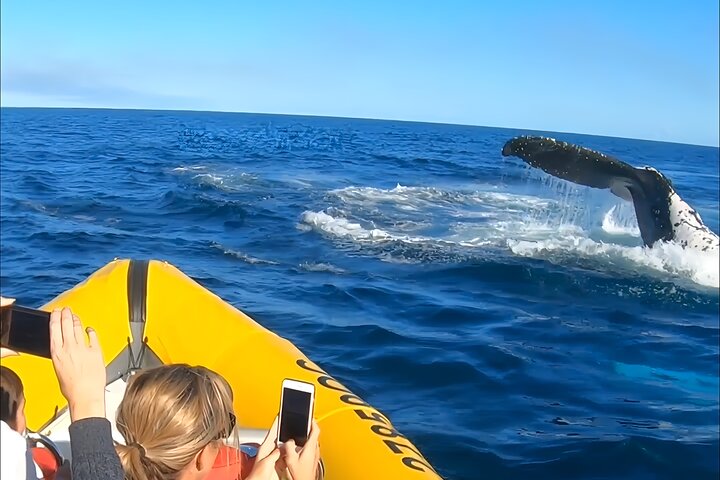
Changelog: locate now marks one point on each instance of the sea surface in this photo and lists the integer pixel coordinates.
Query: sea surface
(510, 325)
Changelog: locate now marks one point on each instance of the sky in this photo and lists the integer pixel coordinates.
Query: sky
(640, 69)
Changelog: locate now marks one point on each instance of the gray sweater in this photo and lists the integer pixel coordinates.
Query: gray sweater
(93, 453)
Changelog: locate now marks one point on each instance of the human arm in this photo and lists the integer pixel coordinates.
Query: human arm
(80, 370)
(92, 450)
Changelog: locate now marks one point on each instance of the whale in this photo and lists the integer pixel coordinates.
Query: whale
(660, 212)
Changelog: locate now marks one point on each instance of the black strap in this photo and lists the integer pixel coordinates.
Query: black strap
(137, 290)
(35, 438)
(137, 277)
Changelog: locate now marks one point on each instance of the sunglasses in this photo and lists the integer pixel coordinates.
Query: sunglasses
(231, 427)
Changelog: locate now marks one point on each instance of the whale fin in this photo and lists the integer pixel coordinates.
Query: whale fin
(647, 188)
(570, 162)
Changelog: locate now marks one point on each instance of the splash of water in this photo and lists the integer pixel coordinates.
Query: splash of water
(620, 220)
(529, 226)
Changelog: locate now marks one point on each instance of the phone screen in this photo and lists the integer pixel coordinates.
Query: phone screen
(295, 416)
(26, 330)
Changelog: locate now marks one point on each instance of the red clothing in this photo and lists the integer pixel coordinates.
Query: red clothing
(47, 462)
(231, 464)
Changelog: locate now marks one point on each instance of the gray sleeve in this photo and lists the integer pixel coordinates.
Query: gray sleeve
(93, 453)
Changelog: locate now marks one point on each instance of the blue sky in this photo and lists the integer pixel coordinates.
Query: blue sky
(641, 69)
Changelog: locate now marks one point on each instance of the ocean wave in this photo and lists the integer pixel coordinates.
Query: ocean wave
(321, 267)
(179, 202)
(249, 259)
(224, 179)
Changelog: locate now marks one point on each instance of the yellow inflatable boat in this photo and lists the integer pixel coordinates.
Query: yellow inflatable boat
(148, 313)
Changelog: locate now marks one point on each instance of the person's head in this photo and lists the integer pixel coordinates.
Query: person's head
(12, 400)
(174, 419)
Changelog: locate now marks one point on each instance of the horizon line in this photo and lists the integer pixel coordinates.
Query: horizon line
(363, 118)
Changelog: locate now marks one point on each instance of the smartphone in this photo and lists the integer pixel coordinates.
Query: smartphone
(296, 411)
(26, 330)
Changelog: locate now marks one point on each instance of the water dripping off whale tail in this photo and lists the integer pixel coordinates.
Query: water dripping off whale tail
(661, 214)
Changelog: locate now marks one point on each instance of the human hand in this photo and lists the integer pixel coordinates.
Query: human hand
(265, 467)
(79, 367)
(302, 462)
(268, 444)
(6, 303)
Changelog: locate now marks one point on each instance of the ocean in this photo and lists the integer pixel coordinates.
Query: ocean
(511, 325)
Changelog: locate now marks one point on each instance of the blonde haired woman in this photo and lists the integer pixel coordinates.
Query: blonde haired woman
(173, 418)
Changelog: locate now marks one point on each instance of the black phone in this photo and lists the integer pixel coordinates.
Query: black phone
(26, 330)
(297, 402)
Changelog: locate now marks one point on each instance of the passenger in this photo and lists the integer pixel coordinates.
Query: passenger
(15, 458)
(175, 419)
(156, 448)
(17, 461)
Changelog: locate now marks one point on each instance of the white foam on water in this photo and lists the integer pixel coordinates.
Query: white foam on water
(618, 221)
(189, 169)
(342, 227)
(227, 179)
(243, 256)
(668, 258)
(529, 226)
(321, 267)
(414, 197)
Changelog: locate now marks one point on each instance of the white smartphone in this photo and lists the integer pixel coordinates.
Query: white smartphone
(296, 411)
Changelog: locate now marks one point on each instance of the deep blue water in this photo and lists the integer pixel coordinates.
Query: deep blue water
(509, 324)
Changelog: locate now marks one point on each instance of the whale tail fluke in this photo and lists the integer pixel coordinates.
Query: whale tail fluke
(567, 161)
(646, 188)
